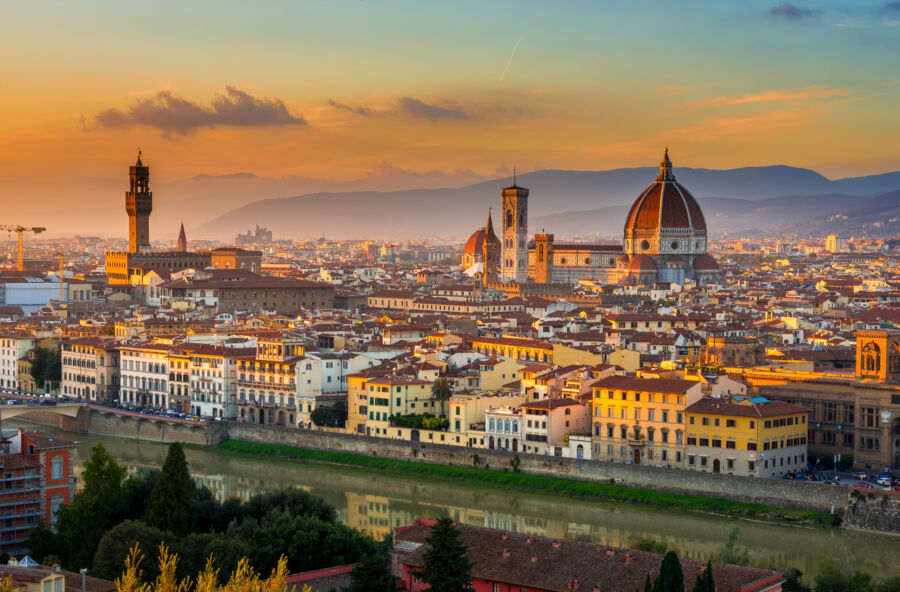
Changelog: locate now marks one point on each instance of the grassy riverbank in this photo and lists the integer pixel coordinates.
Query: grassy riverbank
(535, 483)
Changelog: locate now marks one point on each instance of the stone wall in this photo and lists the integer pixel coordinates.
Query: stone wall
(773, 492)
(878, 510)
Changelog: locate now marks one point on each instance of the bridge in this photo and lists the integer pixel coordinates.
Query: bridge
(65, 409)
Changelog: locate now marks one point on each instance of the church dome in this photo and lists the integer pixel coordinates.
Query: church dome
(475, 244)
(665, 204)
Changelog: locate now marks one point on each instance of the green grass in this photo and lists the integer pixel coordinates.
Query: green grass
(535, 483)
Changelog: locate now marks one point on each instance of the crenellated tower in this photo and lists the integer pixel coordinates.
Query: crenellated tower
(139, 205)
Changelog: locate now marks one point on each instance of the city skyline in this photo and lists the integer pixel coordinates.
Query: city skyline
(283, 99)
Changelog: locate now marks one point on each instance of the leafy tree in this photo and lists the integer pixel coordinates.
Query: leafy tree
(46, 366)
(41, 541)
(171, 500)
(888, 585)
(442, 391)
(651, 545)
(334, 416)
(793, 581)
(447, 568)
(670, 577)
(705, 582)
(116, 546)
(372, 574)
(82, 524)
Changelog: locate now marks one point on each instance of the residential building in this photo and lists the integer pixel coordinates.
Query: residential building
(144, 369)
(266, 383)
(397, 395)
(641, 420)
(753, 437)
(548, 423)
(12, 349)
(38, 480)
(90, 368)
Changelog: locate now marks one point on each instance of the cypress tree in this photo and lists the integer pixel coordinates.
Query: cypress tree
(372, 574)
(648, 587)
(705, 582)
(447, 568)
(169, 508)
(670, 577)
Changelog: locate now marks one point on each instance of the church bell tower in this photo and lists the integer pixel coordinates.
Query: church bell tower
(514, 258)
(139, 204)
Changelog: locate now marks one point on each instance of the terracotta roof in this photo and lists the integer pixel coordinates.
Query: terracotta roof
(762, 409)
(705, 262)
(665, 204)
(655, 385)
(549, 564)
(642, 263)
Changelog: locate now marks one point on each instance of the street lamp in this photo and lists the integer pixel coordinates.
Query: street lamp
(83, 572)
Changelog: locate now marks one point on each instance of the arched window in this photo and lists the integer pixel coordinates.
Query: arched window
(541, 253)
(491, 424)
(509, 218)
(56, 503)
(515, 427)
(56, 467)
(506, 426)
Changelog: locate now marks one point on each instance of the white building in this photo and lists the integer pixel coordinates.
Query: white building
(30, 293)
(213, 380)
(90, 368)
(144, 372)
(548, 424)
(12, 348)
(320, 374)
(503, 429)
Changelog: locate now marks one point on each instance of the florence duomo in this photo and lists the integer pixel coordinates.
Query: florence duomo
(665, 241)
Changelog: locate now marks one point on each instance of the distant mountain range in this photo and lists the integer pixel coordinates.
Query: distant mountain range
(773, 199)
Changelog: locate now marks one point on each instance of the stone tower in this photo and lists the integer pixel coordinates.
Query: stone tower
(490, 253)
(139, 204)
(182, 241)
(543, 258)
(514, 252)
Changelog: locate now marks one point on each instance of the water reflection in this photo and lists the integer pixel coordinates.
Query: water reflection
(376, 504)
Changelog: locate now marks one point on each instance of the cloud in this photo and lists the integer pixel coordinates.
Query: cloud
(172, 114)
(782, 96)
(364, 111)
(892, 5)
(418, 109)
(789, 11)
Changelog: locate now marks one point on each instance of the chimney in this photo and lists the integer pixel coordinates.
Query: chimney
(534, 558)
(628, 559)
(556, 543)
(529, 539)
(505, 553)
(504, 536)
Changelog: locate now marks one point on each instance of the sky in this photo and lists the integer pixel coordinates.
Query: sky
(268, 97)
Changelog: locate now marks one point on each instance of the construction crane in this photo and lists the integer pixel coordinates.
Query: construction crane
(20, 230)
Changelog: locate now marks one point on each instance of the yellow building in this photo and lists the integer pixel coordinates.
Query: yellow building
(517, 348)
(397, 395)
(641, 420)
(753, 437)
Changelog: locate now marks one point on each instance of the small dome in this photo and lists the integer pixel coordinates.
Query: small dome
(705, 262)
(642, 263)
(475, 244)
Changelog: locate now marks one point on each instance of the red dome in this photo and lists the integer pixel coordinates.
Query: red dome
(705, 262)
(475, 243)
(641, 263)
(665, 204)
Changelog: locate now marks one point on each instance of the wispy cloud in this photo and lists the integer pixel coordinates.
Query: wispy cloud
(892, 5)
(418, 109)
(509, 61)
(790, 11)
(175, 115)
(782, 96)
(364, 111)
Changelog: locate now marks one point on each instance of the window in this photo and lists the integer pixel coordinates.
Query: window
(729, 423)
(730, 463)
(57, 467)
(751, 465)
(704, 421)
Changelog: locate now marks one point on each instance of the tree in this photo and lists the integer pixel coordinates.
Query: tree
(442, 391)
(82, 524)
(447, 568)
(670, 577)
(372, 574)
(116, 547)
(46, 366)
(793, 581)
(705, 582)
(171, 500)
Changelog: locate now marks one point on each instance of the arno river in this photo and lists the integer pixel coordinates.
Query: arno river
(378, 503)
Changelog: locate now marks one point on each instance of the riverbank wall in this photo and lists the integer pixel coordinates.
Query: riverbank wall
(770, 492)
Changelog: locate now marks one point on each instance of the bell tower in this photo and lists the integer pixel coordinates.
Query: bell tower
(139, 204)
(514, 251)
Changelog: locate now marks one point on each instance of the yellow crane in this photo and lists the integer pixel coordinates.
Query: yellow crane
(20, 230)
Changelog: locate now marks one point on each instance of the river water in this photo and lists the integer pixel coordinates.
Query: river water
(378, 503)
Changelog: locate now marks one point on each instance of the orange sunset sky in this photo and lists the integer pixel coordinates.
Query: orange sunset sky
(304, 96)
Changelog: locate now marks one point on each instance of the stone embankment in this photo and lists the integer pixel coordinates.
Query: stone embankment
(857, 512)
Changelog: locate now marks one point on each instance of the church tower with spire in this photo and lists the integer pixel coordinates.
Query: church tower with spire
(139, 205)
(490, 257)
(514, 225)
(181, 247)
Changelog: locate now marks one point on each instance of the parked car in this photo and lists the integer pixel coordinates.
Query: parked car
(789, 476)
(884, 479)
(863, 485)
(829, 479)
